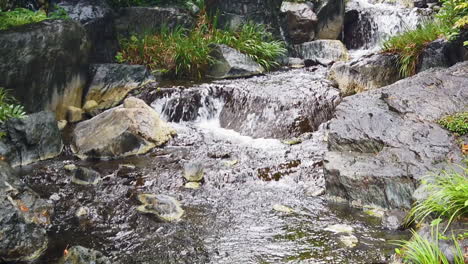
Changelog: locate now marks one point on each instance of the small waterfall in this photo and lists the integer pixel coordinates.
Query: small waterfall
(369, 24)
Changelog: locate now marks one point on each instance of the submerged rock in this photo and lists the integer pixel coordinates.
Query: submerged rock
(192, 185)
(283, 209)
(82, 255)
(23, 219)
(332, 50)
(163, 206)
(193, 172)
(349, 241)
(384, 141)
(340, 228)
(110, 83)
(85, 176)
(230, 63)
(299, 21)
(45, 64)
(130, 129)
(33, 138)
(367, 73)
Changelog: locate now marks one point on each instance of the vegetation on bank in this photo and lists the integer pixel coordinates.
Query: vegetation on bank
(186, 52)
(22, 16)
(127, 3)
(457, 123)
(9, 107)
(452, 17)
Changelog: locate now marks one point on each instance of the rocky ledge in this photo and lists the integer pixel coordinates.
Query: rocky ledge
(382, 142)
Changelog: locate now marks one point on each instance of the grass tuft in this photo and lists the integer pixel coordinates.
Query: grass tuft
(457, 123)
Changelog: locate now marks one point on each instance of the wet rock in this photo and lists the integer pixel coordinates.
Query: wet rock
(299, 21)
(110, 83)
(441, 53)
(349, 241)
(90, 106)
(23, 219)
(230, 63)
(283, 209)
(358, 29)
(82, 255)
(330, 14)
(383, 141)
(296, 63)
(192, 185)
(61, 124)
(277, 107)
(139, 20)
(33, 138)
(420, 3)
(340, 228)
(97, 18)
(45, 64)
(74, 114)
(322, 49)
(85, 176)
(367, 73)
(193, 172)
(163, 206)
(129, 129)
(393, 219)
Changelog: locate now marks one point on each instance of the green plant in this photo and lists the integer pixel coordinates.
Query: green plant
(127, 3)
(58, 13)
(457, 123)
(448, 198)
(9, 108)
(22, 16)
(453, 13)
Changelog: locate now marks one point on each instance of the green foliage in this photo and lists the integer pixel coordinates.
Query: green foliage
(186, 53)
(448, 198)
(457, 123)
(22, 16)
(9, 108)
(127, 3)
(408, 45)
(420, 250)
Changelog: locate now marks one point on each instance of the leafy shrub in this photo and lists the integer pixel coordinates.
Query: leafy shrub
(457, 123)
(22, 16)
(9, 108)
(127, 3)
(448, 198)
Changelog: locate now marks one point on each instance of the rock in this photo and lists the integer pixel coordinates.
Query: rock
(230, 63)
(45, 64)
(97, 18)
(393, 219)
(324, 49)
(349, 241)
(299, 21)
(85, 176)
(358, 29)
(340, 228)
(74, 114)
(34, 138)
(193, 172)
(82, 212)
(367, 73)
(110, 83)
(61, 124)
(90, 106)
(295, 63)
(130, 129)
(192, 185)
(281, 105)
(23, 219)
(283, 209)
(420, 3)
(383, 141)
(70, 167)
(140, 20)
(82, 255)
(163, 206)
(441, 53)
(330, 14)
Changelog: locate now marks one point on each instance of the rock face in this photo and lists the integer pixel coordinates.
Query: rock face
(384, 141)
(110, 83)
(130, 129)
(139, 20)
(332, 50)
(366, 73)
(230, 63)
(45, 64)
(330, 15)
(299, 21)
(82, 255)
(98, 19)
(23, 218)
(34, 138)
(275, 107)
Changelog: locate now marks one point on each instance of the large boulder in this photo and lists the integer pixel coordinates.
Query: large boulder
(23, 219)
(129, 129)
(330, 15)
(141, 20)
(366, 73)
(110, 83)
(299, 21)
(97, 17)
(383, 141)
(34, 138)
(230, 63)
(333, 50)
(441, 53)
(45, 64)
